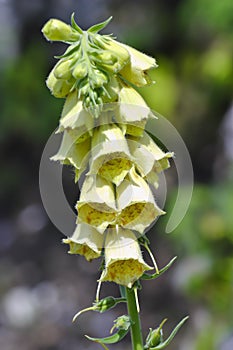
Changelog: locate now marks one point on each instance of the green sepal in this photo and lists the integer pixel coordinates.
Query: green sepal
(123, 324)
(147, 276)
(155, 336)
(97, 27)
(171, 336)
(69, 51)
(74, 24)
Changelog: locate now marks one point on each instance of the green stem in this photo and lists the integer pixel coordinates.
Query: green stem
(136, 333)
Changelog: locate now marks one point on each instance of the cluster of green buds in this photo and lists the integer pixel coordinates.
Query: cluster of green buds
(103, 125)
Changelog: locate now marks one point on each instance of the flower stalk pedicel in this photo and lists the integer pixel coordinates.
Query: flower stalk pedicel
(103, 124)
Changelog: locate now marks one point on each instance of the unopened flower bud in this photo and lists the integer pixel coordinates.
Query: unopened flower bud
(80, 70)
(56, 30)
(105, 304)
(62, 69)
(155, 336)
(99, 79)
(115, 57)
(60, 88)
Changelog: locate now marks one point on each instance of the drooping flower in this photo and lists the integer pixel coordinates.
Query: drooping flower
(135, 203)
(96, 205)
(136, 70)
(85, 241)
(149, 158)
(110, 155)
(74, 117)
(124, 263)
(72, 153)
(133, 111)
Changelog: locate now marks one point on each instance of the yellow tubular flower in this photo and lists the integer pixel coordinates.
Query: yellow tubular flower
(75, 154)
(75, 117)
(96, 205)
(124, 263)
(110, 154)
(149, 158)
(136, 204)
(136, 70)
(133, 111)
(85, 241)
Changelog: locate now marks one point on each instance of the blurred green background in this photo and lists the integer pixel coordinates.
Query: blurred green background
(41, 287)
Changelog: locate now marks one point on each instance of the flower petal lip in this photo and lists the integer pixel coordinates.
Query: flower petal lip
(96, 218)
(71, 153)
(139, 59)
(136, 204)
(99, 193)
(147, 155)
(136, 70)
(124, 263)
(96, 205)
(85, 241)
(74, 116)
(110, 154)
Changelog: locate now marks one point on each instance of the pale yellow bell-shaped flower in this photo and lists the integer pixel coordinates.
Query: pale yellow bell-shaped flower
(136, 70)
(124, 263)
(133, 111)
(148, 157)
(75, 154)
(85, 241)
(135, 203)
(75, 118)
(96, 205)
(110, 155)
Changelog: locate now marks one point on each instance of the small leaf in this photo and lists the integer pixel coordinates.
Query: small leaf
(74, 24)
(123, 324)
(147, 276)
(171, 336)
(112, 339)
(97, 27)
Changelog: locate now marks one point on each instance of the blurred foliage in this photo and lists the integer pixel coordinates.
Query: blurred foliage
(204, 240)
(26, 106)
